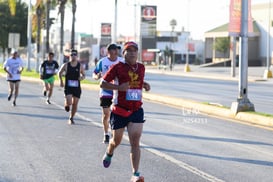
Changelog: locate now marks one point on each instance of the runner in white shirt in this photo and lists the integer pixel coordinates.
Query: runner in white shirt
(106, 96)
(14, 67)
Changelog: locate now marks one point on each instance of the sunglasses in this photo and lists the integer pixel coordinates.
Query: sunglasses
(73, 54)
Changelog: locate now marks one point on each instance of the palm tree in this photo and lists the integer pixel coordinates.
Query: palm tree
(48, 4)
(74, 6)
(61, 12)
(39, 12)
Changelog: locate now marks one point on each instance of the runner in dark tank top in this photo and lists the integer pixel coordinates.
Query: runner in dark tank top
(74, 73)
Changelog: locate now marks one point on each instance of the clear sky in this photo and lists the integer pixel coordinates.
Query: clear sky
(196, 16)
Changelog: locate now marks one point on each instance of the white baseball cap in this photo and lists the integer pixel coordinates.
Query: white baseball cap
(13, 51)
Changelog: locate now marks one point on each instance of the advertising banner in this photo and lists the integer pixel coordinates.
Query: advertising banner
(148, 21)
(148, 32)
(235, 17)
(106, 35)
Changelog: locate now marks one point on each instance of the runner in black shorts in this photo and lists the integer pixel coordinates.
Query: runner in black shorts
(105, 102)
(74, 73)
(118, 121)
(106, 95)
(75, 92)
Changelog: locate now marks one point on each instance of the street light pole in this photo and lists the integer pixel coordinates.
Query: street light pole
(135, 22)
(243, 103)
(115, 21)
(173, 23)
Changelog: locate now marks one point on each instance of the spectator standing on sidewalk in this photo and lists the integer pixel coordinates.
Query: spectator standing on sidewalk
(74, 74)
(48, 69)
(13, 66)
(106, 96)
(127, 111)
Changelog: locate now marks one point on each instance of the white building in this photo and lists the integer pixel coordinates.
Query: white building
(262, 14)
(179, 42)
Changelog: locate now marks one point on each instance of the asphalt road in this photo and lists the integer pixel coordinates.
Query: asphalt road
(222, 92)
(177, 144)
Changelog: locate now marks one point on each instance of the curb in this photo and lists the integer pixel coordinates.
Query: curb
(211, 110)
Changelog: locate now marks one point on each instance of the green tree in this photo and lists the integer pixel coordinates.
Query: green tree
(62, 4)
(62, 13)
(41, 19)
(222, 45)
(44, 7)
(16, 23)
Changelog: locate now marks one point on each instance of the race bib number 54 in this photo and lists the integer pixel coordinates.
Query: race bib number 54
(134, 94)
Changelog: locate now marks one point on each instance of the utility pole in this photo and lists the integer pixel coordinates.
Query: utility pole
(243, 103)
(187, 66)
(268, 72)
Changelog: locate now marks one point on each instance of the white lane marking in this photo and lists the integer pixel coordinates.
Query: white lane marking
(181, 164)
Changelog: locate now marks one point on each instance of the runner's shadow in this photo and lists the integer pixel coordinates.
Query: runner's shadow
(160, 114)
(217, 139)
(42, 116)
(2, 95)
(27, 96)
(42, 106)
(6, 180)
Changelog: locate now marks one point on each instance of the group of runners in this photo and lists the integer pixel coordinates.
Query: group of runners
(121, 85)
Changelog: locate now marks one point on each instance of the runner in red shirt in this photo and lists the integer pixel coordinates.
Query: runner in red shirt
(127, 110)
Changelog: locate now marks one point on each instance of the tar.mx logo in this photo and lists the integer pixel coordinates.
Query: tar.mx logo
(193, 115)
